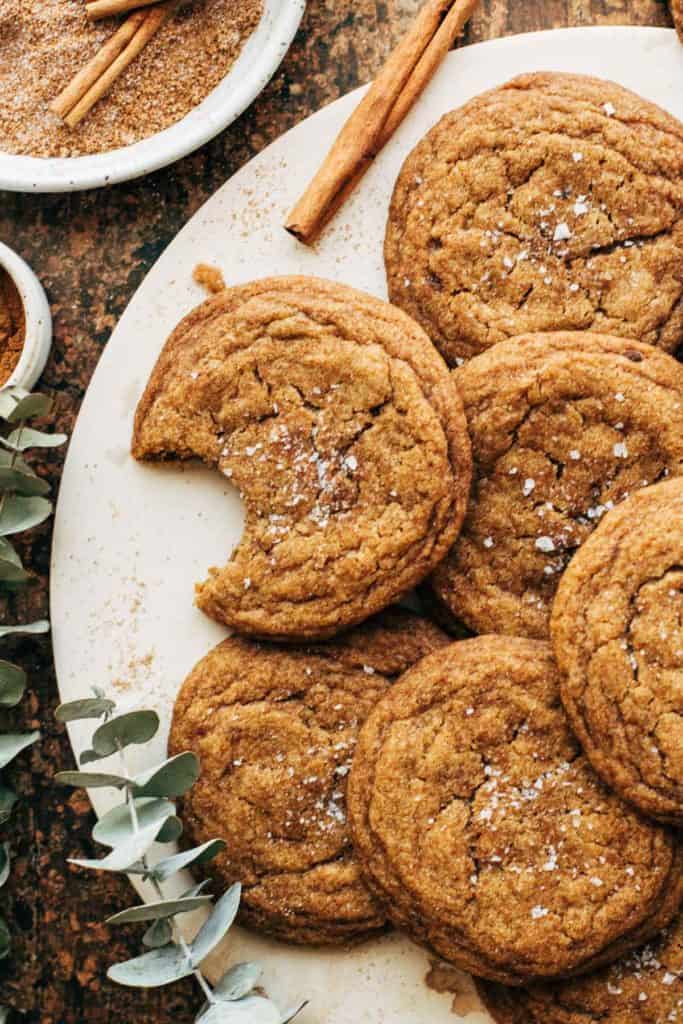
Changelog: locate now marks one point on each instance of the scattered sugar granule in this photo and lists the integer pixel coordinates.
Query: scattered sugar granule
(507, 262)
(488, 542)
(573, 287)
(613, 990)
(609, 109)
(596, 881)
(369, 670)
(577, 157)
(620, 450)
(669, 978)
(619, 396)
(469, 711)
(247, 582)
(528, 487)
(642, 997)
(575, 454)
(538, 911)
(545, 544)
(351, 462)
(580, 208)
(562, 232)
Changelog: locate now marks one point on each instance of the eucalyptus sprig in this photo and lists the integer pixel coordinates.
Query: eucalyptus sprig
(23, 505)
(147, 815)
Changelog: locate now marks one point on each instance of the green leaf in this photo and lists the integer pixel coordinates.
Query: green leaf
(251, 1010)
(7, 801)
(88, 756)
(90, 707)
(122, 731)
(12, 743)
(161, 909)
(116, 826)
(12, 684)
(163, 869)
(124, 855)
(13, 479)
(293, 1012)
(19, 514)
(237, 981)
(28, 406)
(12, 574)
(32, 628)
(8, 553)
(213, 930)
(158, 934)
(20, 440)
(9, 397)
(91, 780)
(4, 863)
(5, 939)
(196, 890)
(171, 830)
(4, 1014)
(171, 778)
(158, 967)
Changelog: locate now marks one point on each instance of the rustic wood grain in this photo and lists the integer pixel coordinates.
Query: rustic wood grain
(92, 250)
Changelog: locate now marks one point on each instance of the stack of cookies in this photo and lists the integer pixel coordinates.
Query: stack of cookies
(508, 435)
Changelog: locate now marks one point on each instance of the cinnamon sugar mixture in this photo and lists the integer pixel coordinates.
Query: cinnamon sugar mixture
(44, 43)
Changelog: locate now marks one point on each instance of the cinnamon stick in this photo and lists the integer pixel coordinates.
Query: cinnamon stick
(99, 75)
(98, 9)
(399, 84)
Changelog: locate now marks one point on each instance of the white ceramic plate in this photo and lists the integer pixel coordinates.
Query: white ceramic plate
(253, 69)
(130, 540)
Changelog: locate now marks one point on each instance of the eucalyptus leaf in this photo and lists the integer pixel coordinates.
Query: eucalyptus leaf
(163, 869)
(12, 684)
(4, 863)
(12, 743)
(5, 939)
(10, 573)
(4, 1014)
(251, 1010)
(117, 826)
(124, 855)
(213, 930)
(9, 397)
(88, 756)
(28, 406)
(89, 707)
(7, 551)
(122, 731)
(153, 969)
(91, 780)
(171, 830)
(32, 628)
(293, 1012)
(13, 479)
(161, 909)
(19, 513)
(7, 801)
(196, 890)
(171, 778)
(237, 982)
(158, 934)
(20, 440)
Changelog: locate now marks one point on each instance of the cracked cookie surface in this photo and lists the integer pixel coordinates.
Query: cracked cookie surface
(336, 418)
(645, 987)
(479, 822)
(275, 730)
(617, 631)
(552, 203)
(563, 427)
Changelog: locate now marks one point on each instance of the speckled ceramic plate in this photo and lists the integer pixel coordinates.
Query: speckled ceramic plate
(257, 63)
(130, 539)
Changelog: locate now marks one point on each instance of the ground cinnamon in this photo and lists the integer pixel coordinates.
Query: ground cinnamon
(12, 326)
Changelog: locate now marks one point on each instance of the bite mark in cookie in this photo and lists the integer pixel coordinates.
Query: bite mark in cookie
(338, 421)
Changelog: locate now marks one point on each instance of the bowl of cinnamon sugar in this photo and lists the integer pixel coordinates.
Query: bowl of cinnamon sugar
(25, 322)
(94, 92)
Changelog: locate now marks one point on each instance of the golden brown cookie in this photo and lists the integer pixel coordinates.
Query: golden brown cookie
(337, 419)
(617, 631)
(645, 987)
(677, 14)
(563, 426)
(275, 730)
(479, 822)
(554, 202)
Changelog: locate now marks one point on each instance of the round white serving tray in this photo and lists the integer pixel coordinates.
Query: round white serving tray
(255, 66)
(38, 329)
(131, 540)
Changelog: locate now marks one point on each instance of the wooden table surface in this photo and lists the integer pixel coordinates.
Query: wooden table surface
(91, 250)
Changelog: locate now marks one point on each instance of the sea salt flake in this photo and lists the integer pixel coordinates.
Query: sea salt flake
(579, 209)
(545, 544)
(538, 911)
(577, 157)
(575, 454)
(488, 542)
(562, 232)
(620, 450)
(528, 487)
(247, 582)
(609, 109)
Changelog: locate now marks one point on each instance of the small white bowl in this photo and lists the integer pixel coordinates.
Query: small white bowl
(38, 335)
(250, 73)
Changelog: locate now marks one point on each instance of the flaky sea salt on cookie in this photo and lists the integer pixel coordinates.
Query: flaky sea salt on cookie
(645, 987)
(564, 426)
(617, 630)
(483, 828)
(554, 202)
(338, 421)
(276, 729)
